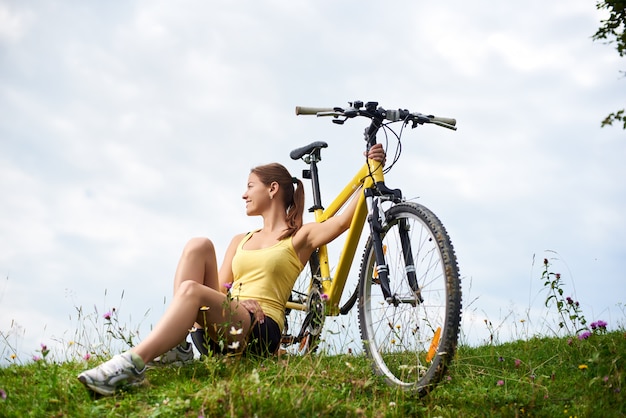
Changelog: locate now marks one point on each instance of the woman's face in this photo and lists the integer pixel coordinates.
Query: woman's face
(257, 196)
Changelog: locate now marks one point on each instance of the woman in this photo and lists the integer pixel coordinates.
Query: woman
(260, 267)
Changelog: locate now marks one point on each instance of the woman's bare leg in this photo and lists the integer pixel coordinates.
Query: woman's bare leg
(198, 263)
(184, 310)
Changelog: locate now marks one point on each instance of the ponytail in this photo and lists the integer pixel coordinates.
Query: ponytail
(295, 209)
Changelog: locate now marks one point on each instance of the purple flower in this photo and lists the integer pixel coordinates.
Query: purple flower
(87, 356)
(584, 335)
(500, 383)
(36, 358)
(228, 285)
(3, 394)
(107, 316)
(569, 300)
(518, 362)
(598, 324)
(324, 296)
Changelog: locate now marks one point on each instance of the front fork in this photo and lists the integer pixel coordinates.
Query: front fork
(378, 224)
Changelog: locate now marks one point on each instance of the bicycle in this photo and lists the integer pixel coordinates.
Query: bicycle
(408, 292)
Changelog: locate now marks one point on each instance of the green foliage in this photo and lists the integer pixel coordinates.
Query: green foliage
(613, 31)
(540, 377)
(613, 28)
(615, 117)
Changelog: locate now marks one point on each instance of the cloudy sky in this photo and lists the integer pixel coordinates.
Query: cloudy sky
(128, 127)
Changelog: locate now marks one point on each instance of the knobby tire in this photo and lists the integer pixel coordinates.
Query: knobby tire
(412, 339)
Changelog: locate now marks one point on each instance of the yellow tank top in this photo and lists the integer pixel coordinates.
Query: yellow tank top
(266, 275)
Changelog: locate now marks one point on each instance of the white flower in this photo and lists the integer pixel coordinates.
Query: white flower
(235, 331)
(234, 345)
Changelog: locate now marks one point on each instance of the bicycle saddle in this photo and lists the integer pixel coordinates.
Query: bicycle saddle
(307, 149)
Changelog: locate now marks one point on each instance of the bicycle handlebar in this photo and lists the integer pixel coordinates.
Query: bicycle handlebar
(372, 111)
(304, 110)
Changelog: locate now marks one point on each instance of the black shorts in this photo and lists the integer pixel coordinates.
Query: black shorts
(263, 340)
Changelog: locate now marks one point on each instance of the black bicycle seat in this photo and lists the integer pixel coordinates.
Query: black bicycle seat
(307, 149)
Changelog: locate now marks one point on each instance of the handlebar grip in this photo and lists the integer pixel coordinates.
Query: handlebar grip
(305, 110)
(447, 121)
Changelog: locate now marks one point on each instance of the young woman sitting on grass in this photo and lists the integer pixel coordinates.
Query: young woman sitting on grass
(259, 267)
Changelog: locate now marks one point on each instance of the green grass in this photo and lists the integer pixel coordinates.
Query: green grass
(545, 377)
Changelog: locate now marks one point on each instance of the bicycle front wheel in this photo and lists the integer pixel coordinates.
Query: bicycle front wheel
(411, 336)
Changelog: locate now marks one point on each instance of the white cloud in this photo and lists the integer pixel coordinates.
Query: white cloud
(127, 129)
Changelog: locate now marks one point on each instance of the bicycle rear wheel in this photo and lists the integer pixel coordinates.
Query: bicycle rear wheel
(303, 328)
(412, 337)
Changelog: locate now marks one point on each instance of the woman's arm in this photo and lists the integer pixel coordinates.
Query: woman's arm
(314, 234)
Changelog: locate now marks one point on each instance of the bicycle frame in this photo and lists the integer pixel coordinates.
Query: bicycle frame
(370, 173)
(415, 348)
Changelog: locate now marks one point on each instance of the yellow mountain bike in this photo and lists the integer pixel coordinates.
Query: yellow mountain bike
(408, 292)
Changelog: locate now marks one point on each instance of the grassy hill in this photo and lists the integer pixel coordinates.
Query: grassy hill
(546, 377)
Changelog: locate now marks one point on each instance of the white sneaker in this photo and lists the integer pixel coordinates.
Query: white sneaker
(182, 353)
(108, 376)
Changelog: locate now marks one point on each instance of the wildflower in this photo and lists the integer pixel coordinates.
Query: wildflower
(569, 300)
(235, 331)
(234, 345)
(600, 325)
(228, 285)
(70, 343)
(3, 394)
(13, 356)
(500, 359)
(255, 377)
(36, 358)
(583, 367)
(584, 335)
(500, 383)
(107, 316)
(518, 362)
(324, 296)
(44, 350)
(204, 308)
(87, 356)
(392, 404)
